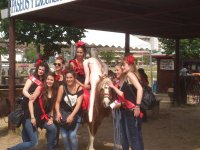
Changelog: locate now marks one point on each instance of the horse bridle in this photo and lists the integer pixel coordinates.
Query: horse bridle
(106, 94)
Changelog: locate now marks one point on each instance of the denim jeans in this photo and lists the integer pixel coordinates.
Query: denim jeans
(131, 131)
(29, 137)
(51, 135)
(69, 137)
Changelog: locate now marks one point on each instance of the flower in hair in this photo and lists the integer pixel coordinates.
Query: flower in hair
(38, 62)
(130, 59)
(80, 43)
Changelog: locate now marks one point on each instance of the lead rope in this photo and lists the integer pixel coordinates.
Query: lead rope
(117, 128)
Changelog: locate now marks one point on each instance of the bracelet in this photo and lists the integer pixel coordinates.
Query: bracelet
(33, 118)
(138, 105)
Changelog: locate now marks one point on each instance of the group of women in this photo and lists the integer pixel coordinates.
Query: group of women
(45, 95)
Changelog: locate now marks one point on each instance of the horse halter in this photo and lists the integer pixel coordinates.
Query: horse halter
(106, 93)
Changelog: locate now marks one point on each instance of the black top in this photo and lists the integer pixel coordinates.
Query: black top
(49, 105)
(36, 106)
(129, 92)
(69, 105)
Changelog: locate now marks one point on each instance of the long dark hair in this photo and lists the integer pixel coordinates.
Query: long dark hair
(54, 90)
(46, 66)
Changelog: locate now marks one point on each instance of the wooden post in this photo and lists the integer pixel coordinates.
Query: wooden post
(11, 72)
(177, 68)
(127, 43)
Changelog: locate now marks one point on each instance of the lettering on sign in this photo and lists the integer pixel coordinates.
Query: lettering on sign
(23, 6)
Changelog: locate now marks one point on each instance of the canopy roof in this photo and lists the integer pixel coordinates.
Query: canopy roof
(103, 38)
(160, 18)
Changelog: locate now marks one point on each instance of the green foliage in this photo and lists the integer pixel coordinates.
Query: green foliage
(3, 4)
(30, 55)
(108, 56)
(49, 36)
(189, 48)
(3, 50)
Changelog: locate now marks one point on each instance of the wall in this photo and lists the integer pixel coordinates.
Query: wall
(165, 78)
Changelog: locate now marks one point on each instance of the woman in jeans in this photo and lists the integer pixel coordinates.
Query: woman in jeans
(47, 103)
(130, 94)
(69, 99)
(32, 111)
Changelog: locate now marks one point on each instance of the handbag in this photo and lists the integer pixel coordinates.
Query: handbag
(16, 116)
(65, 114)
(63, 123)
(148, 98)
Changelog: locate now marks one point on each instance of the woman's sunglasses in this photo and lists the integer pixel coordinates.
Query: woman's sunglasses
(57, 64)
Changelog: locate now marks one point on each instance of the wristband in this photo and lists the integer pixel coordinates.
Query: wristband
(138, 105)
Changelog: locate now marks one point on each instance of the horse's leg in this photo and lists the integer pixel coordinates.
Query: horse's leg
(90, 145)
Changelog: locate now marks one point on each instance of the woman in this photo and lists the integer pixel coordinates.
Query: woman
(130, 93)
(47, 103)
(144, 80)
(94, 69)
(59, 69)
(76, 64)
(31, 107)
(69, 99)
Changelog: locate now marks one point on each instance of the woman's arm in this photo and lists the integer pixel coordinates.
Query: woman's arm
(32, 99)
(137, 85)
(57, 104)
(26, 88)
(134, 80)
(71, 65)
(119, 92)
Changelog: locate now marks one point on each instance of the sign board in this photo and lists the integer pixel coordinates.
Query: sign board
(4, 13)
(23, 6)
(166, 64)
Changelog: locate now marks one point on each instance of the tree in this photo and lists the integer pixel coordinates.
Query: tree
(39, 34)
(189, 48)
(108, 56)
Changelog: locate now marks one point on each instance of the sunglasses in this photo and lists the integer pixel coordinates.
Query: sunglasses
(57, 64)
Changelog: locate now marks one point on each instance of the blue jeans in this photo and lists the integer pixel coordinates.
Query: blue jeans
(69, 137)
(51, 135)
(29, 137)
(131, 131)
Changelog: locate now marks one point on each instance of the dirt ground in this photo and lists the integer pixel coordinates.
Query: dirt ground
(177, 128)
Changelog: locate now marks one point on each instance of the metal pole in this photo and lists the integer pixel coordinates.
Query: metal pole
(150, 65)
(127, 41)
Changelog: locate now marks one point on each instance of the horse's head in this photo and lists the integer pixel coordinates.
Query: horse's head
(104, 91)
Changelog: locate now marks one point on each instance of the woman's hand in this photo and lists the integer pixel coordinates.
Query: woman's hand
(110, 84)
(70, 118)
(32, 97)
(58, 117)
(50, 121)
(136, 111)
(33, 121)
(87, 86)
